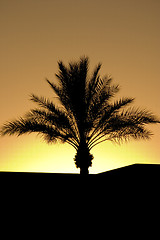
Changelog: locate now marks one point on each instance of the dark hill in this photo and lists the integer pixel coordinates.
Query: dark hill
(137, 181)
(141, 171)
(132, 174)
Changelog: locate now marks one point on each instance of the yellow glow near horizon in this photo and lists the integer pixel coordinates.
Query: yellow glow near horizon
(33, 155)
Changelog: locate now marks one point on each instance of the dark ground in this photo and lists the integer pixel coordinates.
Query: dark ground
(134, 175)
(133, 190)
(140, 170)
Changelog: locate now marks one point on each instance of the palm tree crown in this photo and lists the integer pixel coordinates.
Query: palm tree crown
(85, 115)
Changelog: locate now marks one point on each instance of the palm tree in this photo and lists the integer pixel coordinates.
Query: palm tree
(85, 115)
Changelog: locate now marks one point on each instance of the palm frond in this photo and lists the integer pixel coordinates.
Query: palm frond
(72, 90)
(101, 113)
(140, 116)
(22, 125)
(101, 96)
(62, 96)
(62, 74)
(49, 133)
(123, 126)
(91, 83)
(60, 121)
(44, 103)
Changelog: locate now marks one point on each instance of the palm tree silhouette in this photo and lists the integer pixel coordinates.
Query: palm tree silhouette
(85, 115)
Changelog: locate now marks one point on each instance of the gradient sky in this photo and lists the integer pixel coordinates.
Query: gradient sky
(34, 34)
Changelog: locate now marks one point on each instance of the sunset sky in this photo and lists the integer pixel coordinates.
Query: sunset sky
(34, 34)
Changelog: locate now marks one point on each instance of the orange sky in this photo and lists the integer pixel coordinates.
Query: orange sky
(34, 34)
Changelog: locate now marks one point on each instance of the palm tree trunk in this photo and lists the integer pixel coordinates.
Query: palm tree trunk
(84, 171)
